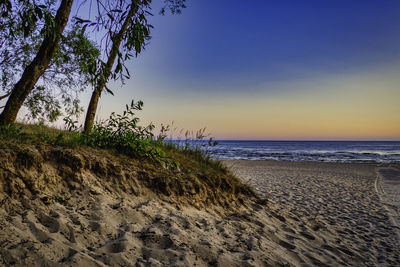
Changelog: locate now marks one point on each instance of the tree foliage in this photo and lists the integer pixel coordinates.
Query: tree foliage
(28, 27)
(127, 35)
(66, 76)
(174, 6)
(110, 16)
(52, 32)
(109, 20)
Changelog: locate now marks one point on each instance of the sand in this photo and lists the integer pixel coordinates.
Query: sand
(387, 185)
(340, 199)
(317, 214)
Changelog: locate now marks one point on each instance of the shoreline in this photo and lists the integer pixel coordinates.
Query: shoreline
(385, 164)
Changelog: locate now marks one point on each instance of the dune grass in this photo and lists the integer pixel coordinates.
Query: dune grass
(38, 134)
(168, 168)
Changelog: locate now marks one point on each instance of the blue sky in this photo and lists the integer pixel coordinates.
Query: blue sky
(267, 41)
(254, 69)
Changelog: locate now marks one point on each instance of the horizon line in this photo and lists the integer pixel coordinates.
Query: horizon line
(310, 140)
(293, 140)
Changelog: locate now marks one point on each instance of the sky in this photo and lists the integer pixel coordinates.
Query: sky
(270, 70)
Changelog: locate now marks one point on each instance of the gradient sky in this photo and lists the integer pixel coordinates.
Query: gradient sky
(258, 69)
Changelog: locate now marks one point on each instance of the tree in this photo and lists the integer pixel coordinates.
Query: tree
(134, 30)
(53, 31)
(59, 86)
(132, 34)
(111, 19)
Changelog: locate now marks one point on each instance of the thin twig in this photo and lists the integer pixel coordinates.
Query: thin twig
(4, 96)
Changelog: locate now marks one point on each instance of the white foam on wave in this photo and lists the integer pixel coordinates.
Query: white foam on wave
(297, 151)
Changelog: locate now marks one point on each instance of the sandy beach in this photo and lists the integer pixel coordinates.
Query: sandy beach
(199, 133)
(338, 201)
(317, 214)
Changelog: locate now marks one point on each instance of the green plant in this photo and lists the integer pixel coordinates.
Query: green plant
(58, 199)
(59, 138)
(197, 143)
(10, 130)
(70, 124)
(122, 132)
(176, 165)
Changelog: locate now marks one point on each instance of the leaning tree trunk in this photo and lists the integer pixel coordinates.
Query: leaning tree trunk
(116, 42)
(37, 67)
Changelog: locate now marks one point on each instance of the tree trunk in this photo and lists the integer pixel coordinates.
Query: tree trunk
(91, 111)
(116, 42)
(37, 67)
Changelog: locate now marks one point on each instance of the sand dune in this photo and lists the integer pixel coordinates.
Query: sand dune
(317, 214)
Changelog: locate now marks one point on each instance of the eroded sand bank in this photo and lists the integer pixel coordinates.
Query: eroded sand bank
(318, 214)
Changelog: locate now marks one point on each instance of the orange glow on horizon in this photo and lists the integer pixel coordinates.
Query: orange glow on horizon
(360, 107)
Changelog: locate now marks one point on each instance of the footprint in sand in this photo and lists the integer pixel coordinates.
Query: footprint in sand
(328, 247)
(116, 246)
(75, 219)
(286, 245)
(95, 226)
(71, 236)
(51, 223)
(251, 243)
(71, 252)
(155, 239)
(39, 234)
(287, 229)
(307, 235)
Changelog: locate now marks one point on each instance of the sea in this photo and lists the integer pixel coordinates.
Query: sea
(323, 151)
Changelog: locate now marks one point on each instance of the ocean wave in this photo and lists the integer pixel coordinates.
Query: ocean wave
(303, 151)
